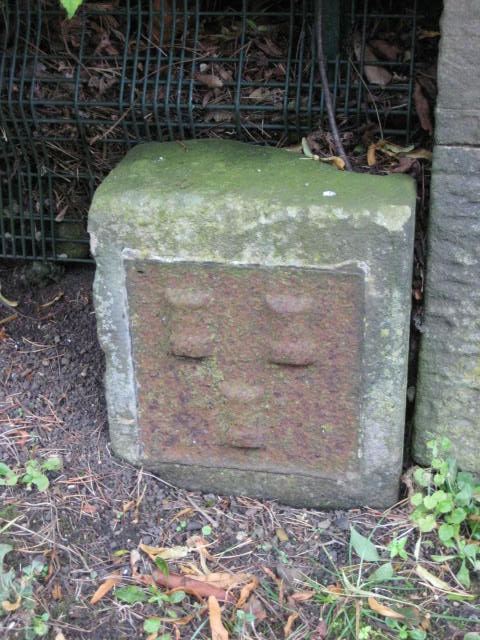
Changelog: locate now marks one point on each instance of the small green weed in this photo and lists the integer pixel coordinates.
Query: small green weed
(16, 592)
(35, 473)
(242, 621)
(132, 594)
(449, 502)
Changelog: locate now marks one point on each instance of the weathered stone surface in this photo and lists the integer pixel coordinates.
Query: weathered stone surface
(448, 398)
(458, 110)
(255, 328)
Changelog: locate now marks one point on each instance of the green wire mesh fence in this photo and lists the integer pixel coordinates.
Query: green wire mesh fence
(76, 95)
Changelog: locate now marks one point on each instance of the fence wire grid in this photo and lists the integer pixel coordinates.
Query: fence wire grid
(76, 95)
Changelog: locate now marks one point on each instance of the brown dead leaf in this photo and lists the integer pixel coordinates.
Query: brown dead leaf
(58, 297)
(321, 632)
(423, 109)
(281, 535)
(165, 553)
(335, 588)
(91, 509)
(337, 162)
(419, 154)
(383, 610)
(246, 591)
(6, 320)
(288, 627)
(224, 580)
(302, 596)
(11, 606)
(270, 48)
(184, 512)
(127, 506)
(60, 636)
(104, 588)
(135, 558)
(21, 436)
(404, 165)
(386, 50)
(218, 630)
(428, 34)
(271, 575)
(371, 157)
(261, 94)
(255, 607)
(196, 588)
(57, 591)
(209, 80)
(374, 73)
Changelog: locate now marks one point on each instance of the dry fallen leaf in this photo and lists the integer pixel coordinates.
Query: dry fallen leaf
(209, 80)
(302, 596)
(246, 591)
(11, 606)
(424, 574)
(373, 73)
(386, 49)
(191, 586)
(423, 109)
(335, 160)
(371, 158)
(383, 610)
(404, 165)
(288, 627)
(419, 154)
(218, 630)
(255, 607)
(8, 303)
(282, 535)
(57, 591)
(91, 509)
(104, 588)
(165, 553)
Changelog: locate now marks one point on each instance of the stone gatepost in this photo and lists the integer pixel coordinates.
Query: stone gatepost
(254, 307)
(448, 397)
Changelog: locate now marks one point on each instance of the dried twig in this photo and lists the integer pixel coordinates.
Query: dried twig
(339, 150)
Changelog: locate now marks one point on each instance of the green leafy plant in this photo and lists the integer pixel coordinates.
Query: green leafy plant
(449, 502)
(132, 594)
(70, 6)
(16, 592)
(404, 633)
(242, 620)
(7, 476)
(397, 548)
(35, 473)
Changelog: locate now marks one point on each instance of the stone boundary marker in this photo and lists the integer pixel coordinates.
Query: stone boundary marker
(448, 390)
(254, 308)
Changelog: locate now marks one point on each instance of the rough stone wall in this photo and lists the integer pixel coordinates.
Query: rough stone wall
(448, 398)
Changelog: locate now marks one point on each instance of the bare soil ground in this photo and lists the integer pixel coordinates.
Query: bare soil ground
(303, 578)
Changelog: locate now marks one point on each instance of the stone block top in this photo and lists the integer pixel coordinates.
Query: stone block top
(225, 200)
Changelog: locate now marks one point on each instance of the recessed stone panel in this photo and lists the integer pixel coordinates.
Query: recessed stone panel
(247, 367)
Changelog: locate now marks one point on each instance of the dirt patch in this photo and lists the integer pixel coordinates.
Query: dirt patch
(97, 510)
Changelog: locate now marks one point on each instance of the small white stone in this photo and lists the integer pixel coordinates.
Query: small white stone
(307, 184)
(329, 194)
(259, 170)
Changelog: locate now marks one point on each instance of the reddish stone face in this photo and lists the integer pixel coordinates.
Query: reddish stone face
(247, 367)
